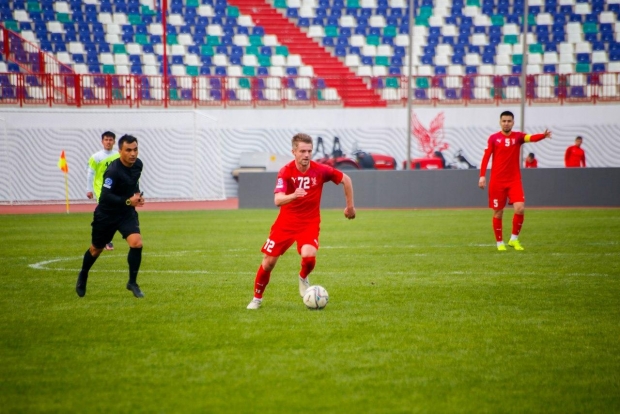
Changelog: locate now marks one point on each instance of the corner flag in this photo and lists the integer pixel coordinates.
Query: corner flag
(64, 167)
(62, 162)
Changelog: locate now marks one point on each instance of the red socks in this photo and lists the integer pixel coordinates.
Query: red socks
(517, 222)
(497, 229)
(261, 282)
(307, 265)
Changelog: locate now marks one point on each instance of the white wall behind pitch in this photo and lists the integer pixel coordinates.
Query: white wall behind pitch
(372, 130)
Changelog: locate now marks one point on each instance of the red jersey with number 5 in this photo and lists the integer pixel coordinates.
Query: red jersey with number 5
(305, 209)
(506, 151)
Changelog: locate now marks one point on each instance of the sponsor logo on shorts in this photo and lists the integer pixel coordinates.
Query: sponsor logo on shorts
(107, 183)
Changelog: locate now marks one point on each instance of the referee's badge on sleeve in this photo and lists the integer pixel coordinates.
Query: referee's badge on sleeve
(107, 183)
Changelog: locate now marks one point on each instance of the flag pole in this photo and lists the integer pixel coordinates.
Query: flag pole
(67, 191)
(62, 164)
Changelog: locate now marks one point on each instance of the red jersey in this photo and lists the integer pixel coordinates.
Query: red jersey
(506, 151)
(575, 157)
(531, 164)
(305, 209)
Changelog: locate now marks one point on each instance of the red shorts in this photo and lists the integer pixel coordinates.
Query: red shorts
(500, 192)
(280, 240)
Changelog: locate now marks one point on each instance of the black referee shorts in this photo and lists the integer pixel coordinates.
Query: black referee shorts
(105, 225)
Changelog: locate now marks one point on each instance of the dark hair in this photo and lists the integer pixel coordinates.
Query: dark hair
(579, 137)
(507, 113)
(126, 139)
(531, 155)
(108, 134)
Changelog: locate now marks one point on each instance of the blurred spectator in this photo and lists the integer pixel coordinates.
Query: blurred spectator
(531, 161)
(575, 157)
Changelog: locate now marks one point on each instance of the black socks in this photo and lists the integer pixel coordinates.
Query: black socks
(87, 263)
(134, 258)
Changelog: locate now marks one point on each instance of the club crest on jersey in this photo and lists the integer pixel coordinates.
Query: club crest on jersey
(313, 179)
(107, 183)
(280, 183)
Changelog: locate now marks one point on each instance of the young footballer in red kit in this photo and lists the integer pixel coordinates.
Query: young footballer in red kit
(298, 194)
(505, 184)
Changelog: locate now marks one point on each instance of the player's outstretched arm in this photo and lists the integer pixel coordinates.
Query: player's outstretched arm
(349, 210)
(538, 137)
(281, 199)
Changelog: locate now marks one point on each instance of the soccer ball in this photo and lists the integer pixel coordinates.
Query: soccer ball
(316, 297)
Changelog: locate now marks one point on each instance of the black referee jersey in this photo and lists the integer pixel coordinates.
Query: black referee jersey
(119, 184)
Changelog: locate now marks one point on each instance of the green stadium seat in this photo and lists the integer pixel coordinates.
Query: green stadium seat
(142, 39)
(422, 83)
(511, 39)
(372, 40)
(108, 70)
(146, 10)
(497, 20)
(232, 11)
(390, 31)
(421, 21)
(590, 27)
(282, 51)
(536, 48)
(392, 83)
(252, 50)
(264, 61)
(33, 6)
(213, 40)
(134, 19)
(192, 70)
(171, 39)
(582, 68)
(382, 61)
(331, 31)
(256, 40)
(12, 25)
(63, 17)
(119, 48)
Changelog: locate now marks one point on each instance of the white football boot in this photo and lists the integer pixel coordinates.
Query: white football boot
(304, 284)
(255, 304)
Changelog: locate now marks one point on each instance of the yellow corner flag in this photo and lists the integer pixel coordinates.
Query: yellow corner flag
(64, 167)
(62, 162)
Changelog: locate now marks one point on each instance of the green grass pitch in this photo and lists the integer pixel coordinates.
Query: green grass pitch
(424, 316)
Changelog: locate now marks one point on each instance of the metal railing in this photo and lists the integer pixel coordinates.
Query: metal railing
(217, 91)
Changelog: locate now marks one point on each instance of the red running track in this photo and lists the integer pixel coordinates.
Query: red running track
(228, 204)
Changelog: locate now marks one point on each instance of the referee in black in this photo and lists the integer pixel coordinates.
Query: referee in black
(120, 195)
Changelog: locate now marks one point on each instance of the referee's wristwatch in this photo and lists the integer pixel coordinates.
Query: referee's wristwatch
(128, 201)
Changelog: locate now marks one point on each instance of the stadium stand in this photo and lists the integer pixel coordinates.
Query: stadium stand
(307, 52)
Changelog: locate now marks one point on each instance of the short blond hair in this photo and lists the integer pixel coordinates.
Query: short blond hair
(305, 138)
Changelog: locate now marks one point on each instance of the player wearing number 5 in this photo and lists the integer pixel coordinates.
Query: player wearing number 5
(505, 148)
(298, 194)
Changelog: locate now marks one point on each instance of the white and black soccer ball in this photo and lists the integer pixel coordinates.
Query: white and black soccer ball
(316, 297)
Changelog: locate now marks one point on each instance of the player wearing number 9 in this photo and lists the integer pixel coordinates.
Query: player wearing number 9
(505, 148)
(298, 194)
